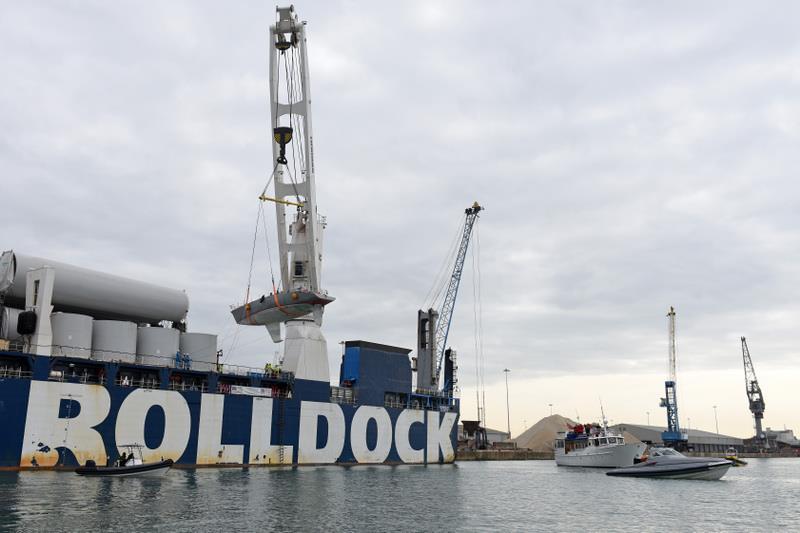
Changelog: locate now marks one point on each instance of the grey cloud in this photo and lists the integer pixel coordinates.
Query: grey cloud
(631, 156)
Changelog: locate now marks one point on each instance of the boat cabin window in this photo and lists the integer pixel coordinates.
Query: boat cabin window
(603, 441)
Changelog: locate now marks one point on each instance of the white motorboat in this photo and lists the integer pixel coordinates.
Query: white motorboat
(670, 464)
(595, 446)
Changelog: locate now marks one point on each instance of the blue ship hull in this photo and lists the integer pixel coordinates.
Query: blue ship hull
(62, 418)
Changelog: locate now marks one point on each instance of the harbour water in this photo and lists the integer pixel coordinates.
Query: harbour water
(471, 496)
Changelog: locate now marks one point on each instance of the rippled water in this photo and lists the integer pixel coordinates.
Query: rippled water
(470, 496)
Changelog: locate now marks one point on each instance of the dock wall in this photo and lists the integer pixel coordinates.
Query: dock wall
(502, 455)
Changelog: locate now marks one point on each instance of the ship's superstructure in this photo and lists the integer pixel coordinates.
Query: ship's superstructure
(91, 362)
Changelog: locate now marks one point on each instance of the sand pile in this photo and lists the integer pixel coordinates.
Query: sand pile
(540, 436)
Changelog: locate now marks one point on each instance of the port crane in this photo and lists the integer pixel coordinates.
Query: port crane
(433, 326)
(673, 436)
(754, 396)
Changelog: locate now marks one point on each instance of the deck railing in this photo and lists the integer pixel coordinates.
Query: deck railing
(15, 372)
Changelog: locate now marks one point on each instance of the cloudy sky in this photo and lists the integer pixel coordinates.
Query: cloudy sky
(630, 156)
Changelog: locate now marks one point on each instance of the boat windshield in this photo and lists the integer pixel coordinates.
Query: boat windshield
(655, 452)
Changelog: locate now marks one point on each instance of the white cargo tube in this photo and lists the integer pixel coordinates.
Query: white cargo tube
(101, 295)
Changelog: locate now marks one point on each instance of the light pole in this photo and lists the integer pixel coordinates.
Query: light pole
(551, 408)
(508, 411)
(648, 418)
(716, 422)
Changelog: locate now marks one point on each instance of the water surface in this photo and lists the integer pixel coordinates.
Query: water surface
(470, 496)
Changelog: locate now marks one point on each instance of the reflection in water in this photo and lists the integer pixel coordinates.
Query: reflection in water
(523, 495)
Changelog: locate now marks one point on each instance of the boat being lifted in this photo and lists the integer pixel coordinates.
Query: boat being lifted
(278, 307)
(130, 463)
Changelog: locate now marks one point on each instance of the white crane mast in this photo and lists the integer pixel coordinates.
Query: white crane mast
(299, 245)
(299, 242)
(672, 351)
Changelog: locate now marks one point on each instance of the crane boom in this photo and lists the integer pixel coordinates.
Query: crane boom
(433, 326)
(673, 436)
(672, 348)
(446, 312)
(754, 397)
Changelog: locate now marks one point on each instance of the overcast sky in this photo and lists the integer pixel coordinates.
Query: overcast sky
(630, 156)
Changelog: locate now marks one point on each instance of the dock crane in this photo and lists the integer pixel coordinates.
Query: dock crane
(433, 326)
(673, 436)
(754, 396)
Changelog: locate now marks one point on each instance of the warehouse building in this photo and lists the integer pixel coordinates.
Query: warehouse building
(699, 440)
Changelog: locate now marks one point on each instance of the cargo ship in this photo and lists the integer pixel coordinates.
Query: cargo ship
(91, 362)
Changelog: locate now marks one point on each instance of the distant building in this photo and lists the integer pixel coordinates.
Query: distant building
(699, 440)
(782, 437)
(492, 435)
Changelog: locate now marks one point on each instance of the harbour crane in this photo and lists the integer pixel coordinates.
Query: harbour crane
(433, 326)
(753, 389)
(673, 436)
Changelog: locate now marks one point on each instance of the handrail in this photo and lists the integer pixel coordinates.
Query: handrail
(15, 372)
(165, 361)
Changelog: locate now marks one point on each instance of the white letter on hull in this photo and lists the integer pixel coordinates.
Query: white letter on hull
(45, 431)
(307, 441)
(261, 449)
(439, 437)
(402, 436)
(358, 434)
(210, 450)
(177, 423)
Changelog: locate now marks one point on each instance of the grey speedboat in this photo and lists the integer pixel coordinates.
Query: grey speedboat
(670, 464)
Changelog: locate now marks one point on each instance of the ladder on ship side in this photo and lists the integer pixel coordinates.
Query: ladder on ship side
(281, 421)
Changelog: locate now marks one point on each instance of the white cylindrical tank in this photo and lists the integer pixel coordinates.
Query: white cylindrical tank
(202, 348)
(72, 334)
(114, 340)
(104, 296)
(8, 323)
(157, 346)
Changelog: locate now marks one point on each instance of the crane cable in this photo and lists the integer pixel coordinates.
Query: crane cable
(440, 280)
(477, 313)
(292, 95)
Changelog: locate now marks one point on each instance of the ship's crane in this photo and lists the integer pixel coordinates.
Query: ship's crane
(294, 309)
(433, 326)
(753, 389)
(673, 435)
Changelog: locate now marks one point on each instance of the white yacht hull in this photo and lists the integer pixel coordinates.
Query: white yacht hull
(612, 456)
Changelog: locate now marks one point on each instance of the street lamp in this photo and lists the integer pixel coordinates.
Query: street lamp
(508, 411)
(648, 418)
(551, 408)
(716, 422)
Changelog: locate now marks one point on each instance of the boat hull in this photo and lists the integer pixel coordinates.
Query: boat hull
(147, 469)
(615, 456)
(59, 424)
(709, 472)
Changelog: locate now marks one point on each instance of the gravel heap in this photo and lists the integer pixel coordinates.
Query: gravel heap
(540, 436)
